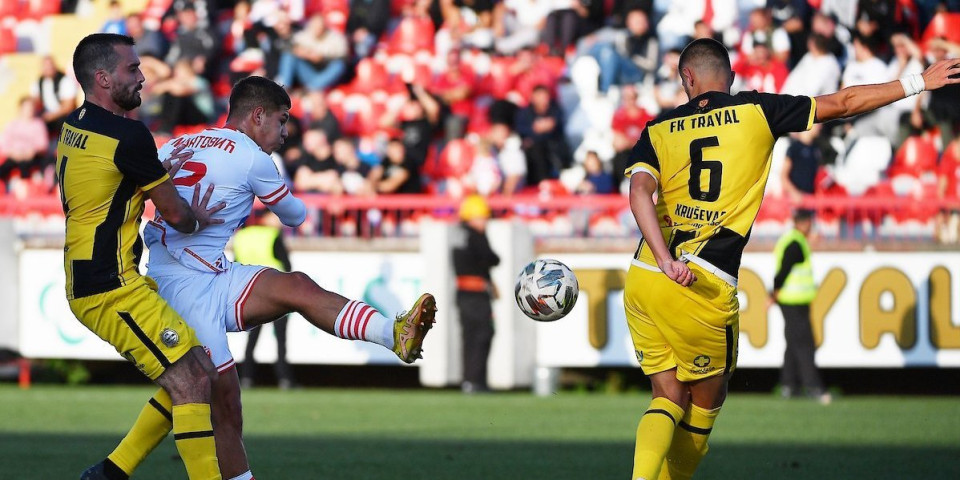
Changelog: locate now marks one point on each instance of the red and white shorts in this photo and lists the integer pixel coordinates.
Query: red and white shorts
(210, 302)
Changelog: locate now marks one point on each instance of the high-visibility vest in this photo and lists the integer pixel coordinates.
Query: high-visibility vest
(799, 287)
(253, 245)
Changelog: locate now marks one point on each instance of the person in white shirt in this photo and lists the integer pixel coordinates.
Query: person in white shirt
(214, 295)
(866, 69)
(817, 73)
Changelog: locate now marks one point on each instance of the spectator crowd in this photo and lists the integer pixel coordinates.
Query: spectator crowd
(453, 97)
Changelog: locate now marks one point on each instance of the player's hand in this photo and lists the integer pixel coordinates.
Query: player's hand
(176, 160)
(200, 210)
(679, 272)
(944, 72)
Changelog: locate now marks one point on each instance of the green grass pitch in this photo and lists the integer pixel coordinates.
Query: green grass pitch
(55, 432)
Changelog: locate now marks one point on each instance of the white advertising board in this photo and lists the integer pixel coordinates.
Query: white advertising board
(873, 310)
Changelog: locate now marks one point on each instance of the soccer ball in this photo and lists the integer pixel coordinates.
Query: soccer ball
(546, 290)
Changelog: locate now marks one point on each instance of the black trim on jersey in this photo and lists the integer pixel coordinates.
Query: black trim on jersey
(690, 428)
(662, 412)
(724, 250)
(163, 411)
(125, 316)
(636, 254)
(679, 237)
(190, 435)
(102, 272)
(729, 355)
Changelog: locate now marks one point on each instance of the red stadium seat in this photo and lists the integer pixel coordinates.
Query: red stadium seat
(38, 9)
(411, 35)
(917, 157)
(371, 75)
(945, 25)
(8, 40)
(9, 8)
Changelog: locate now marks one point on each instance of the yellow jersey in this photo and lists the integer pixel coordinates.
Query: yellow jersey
(711, 157)
(104, 164)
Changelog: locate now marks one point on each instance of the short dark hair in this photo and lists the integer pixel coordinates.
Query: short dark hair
(803, 214)
(821, 42)
(97, 52)
(706, 52)
(254, 91)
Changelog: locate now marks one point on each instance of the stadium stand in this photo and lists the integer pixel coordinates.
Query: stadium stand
(879, 186)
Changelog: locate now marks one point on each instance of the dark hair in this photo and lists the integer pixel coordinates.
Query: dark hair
(97, 52)
(706, 52)
(802, 214)
(820, 42)
(253, 92)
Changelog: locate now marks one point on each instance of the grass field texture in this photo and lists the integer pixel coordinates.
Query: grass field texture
(55, 432)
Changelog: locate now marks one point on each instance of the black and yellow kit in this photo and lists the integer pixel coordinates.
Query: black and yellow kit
(711, 158)
(104, 163)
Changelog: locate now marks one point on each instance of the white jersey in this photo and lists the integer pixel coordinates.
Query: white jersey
(239, 170)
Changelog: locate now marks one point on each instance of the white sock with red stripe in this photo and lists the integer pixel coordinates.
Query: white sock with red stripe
(244, 476)
(359, 321)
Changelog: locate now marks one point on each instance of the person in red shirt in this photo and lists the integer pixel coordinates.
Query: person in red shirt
(760, 71)
(456, 87)
(628, 122)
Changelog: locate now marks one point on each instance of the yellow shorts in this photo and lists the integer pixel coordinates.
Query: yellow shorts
(694, 329)
(139, 324)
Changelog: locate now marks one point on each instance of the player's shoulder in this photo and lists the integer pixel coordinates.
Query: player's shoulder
(126, 131)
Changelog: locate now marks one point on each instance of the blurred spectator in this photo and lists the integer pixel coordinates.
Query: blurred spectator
(317, 57)
(837, 36)
(668, 90)
(626, 55)
(628, 122)
(193, 41)
(794, 17)
(798, 175)
(817, 73)
(456, 87)
(400, 172)
(150, 44)
(274, 40)
(623, 7)
(517, 24)
(865, 69)
(564, 25)
(509, 152)
(529, 70)
(466, 23)
(24, 143)
(677, 24)
(540, 124)
(185, 97)
(760, 70)
(760, 30)
(596, 179)
(366, 23)
(315, 171)
(484, 176)
(319, 115)
(907, 60)
(56, 93)
(116, 22)
(237, 32)
(417, 121)
(355, 176)
(942, 110)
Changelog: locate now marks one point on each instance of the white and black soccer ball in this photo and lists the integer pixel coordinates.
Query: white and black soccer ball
(546, 290)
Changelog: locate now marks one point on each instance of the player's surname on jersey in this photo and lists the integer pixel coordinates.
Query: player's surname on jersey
(73, 138)
(711, 217)
(723, 116)
(204, 141)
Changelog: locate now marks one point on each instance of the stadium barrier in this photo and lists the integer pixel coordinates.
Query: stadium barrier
(553, 214)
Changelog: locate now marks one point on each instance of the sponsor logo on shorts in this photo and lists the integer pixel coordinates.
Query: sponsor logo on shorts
(702, 362)
(169, 337)
(639, 356)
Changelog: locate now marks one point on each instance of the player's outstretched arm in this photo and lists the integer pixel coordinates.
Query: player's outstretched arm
(642, 188)
(852, 101)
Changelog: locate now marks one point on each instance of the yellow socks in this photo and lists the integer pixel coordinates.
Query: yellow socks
(150, 429)
(654, 435)
(689, 444)
(193, 433)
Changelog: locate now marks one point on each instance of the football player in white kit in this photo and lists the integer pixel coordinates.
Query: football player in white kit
(215, 295)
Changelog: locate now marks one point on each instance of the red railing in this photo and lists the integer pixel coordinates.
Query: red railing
(364, 216)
